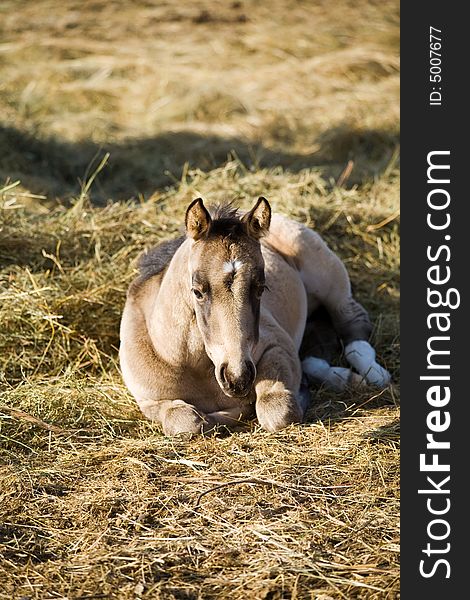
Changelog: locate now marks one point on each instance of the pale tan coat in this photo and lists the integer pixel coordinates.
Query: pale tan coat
(165, 360)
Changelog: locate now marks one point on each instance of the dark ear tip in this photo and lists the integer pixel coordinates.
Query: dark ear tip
(262, 200)
(194, 202)
(197, 219)
(259, 218)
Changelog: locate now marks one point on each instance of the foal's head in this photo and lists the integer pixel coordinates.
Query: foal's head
(226, 270)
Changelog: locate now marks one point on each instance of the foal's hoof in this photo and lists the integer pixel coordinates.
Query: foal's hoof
(277, 409)
(182, 419)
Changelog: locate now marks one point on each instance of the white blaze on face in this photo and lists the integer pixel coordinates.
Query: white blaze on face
(232, 266)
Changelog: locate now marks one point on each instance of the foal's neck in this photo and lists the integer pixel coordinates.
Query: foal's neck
(173, 328)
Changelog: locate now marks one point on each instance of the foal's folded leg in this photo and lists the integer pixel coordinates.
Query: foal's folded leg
(361, 356)
(178, 416)
(326, 279)
(333, 378)
(353, 326)
(279, 400)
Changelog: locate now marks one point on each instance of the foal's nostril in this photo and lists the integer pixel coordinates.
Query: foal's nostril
(239, 385)
(223, 373)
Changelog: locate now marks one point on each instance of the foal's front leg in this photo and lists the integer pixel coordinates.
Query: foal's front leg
(178, 416)
(278, 402)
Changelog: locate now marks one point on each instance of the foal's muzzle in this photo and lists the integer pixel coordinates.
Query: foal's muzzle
(240, 385)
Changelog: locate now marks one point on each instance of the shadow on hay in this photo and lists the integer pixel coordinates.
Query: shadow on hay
(138, 167)
(385, 434)
(332, 408)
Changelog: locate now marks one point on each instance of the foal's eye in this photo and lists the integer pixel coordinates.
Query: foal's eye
(199, 295)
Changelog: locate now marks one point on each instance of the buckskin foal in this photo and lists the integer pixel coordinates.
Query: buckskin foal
(212, 327)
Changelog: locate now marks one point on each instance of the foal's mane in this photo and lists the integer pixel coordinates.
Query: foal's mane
(156, 259)
(224, 211)
(225, 222)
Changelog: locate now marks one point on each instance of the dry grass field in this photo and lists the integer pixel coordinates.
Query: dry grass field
(114, 116)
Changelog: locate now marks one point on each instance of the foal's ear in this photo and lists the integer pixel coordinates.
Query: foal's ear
(198, 219)
(257, 221)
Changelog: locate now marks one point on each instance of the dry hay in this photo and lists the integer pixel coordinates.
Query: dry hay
(94, 501)
(95, 498)
(293, 83)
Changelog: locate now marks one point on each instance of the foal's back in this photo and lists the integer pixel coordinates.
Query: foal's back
(303, 271)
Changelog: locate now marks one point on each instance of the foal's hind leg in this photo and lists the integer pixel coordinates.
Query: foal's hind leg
(326, 279)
